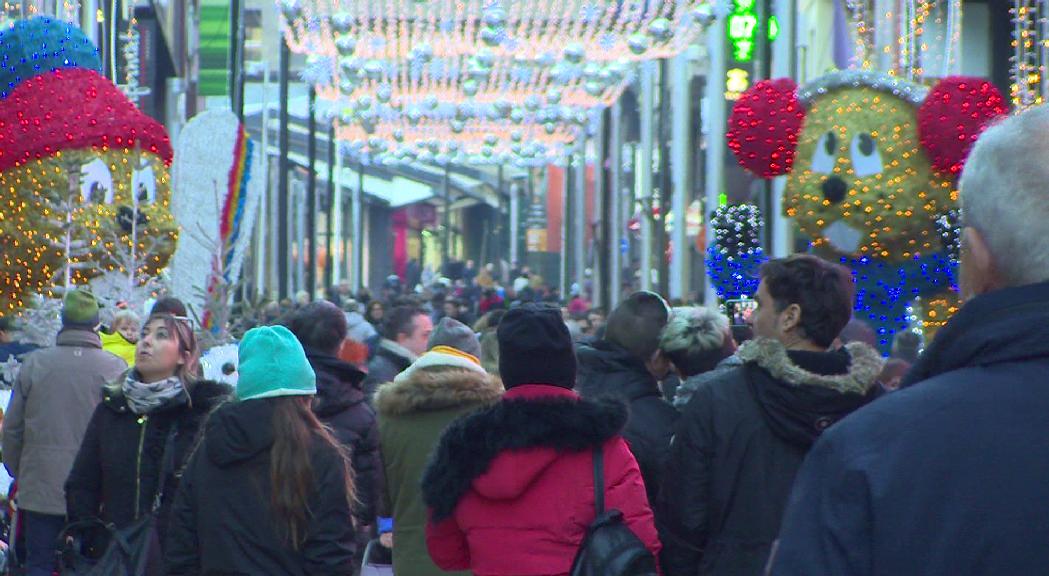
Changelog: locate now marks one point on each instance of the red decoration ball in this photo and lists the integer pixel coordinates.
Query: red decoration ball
(956, 111)
(764, 126)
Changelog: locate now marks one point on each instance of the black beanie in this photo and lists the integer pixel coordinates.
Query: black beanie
(535, 348)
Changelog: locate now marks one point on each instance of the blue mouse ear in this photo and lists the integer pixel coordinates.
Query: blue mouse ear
(40, 45)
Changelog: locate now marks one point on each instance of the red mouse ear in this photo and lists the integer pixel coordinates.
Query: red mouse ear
(956, 111)
(764, 126)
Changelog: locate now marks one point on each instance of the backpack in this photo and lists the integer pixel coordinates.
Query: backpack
(610, 548)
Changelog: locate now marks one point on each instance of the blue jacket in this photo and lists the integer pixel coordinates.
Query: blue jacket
(947, 476)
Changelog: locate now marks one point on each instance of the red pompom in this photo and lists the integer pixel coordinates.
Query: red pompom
(764, 126)
(71, 109)
(954, 114)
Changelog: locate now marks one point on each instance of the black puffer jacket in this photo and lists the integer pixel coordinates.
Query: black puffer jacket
(222, 522)
(739, 444)
(115, 474)
(340, 404)
(606, 370)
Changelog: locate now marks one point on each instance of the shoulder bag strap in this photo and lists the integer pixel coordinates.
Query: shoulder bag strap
(599, 480)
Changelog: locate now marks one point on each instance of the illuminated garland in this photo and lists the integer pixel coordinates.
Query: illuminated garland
(733, 261)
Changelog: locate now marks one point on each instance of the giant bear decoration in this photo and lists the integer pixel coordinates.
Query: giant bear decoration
(872, 162)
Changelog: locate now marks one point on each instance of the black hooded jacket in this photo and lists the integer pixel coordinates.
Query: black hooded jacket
(115, 474)
(607, 370)
(340, 403)
(222, 522)
(739, 444)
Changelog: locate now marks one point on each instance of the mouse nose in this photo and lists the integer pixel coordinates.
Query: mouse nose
(834, 189)
(125, 217)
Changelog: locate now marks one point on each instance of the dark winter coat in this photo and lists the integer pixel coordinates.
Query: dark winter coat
(222, 522)
(413, 412)
(511, 487)
(115, 474)
(607, 370)
(341, 405)
(739, 444)
(389, 361)
(947, 476)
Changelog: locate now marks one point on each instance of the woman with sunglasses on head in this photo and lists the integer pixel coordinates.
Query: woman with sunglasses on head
(145, 427)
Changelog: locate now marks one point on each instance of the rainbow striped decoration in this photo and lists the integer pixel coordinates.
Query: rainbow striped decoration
(233, 211)
(232, 216)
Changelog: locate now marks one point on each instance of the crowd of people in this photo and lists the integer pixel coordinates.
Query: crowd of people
(482, 430)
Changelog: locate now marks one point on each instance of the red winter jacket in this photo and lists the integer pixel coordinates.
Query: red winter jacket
(527, 512)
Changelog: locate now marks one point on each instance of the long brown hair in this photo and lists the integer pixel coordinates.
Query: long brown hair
(291, 471)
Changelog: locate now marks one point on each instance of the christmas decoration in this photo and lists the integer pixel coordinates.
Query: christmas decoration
(764, 126)
(216, 202)
(734, 259)
(42, 44)
(219, 364)
(874, 168)
(83, 177)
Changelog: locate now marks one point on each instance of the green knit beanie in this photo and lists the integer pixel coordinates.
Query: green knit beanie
(80, 310)
(272, 363)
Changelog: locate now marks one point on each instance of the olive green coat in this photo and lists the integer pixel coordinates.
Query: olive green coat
(413, 413)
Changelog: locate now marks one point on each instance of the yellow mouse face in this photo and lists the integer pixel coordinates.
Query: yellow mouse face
(37, 198)
(861, 182)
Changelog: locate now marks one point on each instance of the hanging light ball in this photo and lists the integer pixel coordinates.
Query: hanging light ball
(502, 109)
(532, 103)
(434, 145)
(426, 157)
(550, 127)
(364, 102)
(347, 86)
(463, 111)
(384, 93)
(485, 58)
(348, 68)
(574, 53)
(553, 96)
(373, 69)
(457, 126)
(594, 88)
(376, 145)
(441, 159)
(345, 45)
(704, 14)
(470, 88)
(492, 36)
(638, 43)
(478, 72)
(487, 152)
(491, 139)
(421, 53)
(516, 136)
(430, 103)
(398, 135)
(494, 16)
(660, 30)
(414, 115)
(341, 22)
(517, 115)
(368, 127)
(452, 146)
(291, 9)
(592, 71)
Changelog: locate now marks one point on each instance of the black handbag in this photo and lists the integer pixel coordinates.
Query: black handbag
(133, 550)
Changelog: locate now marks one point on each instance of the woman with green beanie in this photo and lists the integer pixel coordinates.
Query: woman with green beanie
(268, 491)
(141, 435)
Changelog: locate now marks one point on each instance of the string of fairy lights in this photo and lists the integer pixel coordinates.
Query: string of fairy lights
(487, 81)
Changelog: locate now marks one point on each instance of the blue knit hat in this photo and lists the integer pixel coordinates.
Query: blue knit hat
(272, 363)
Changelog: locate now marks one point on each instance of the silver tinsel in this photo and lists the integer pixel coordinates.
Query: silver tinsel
(909, 91)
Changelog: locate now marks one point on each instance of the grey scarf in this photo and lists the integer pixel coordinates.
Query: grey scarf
(143, 398)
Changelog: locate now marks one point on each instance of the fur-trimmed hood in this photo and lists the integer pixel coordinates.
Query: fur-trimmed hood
(864, 366)
(801, 394)
(483, 450)
(436, 388)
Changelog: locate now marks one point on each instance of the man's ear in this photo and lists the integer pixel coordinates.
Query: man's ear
(790, 317)
(658, 364)
(978, 272)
